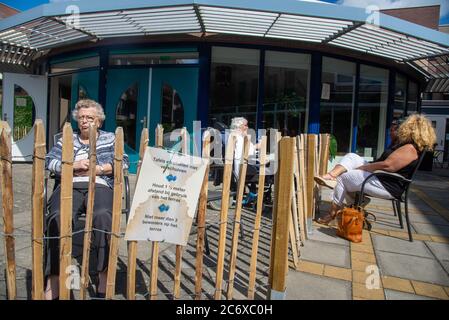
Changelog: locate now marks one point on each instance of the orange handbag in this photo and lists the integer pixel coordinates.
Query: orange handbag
(350, 223)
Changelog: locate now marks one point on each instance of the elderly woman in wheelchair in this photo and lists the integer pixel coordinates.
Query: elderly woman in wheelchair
(414, 136)
(86, 112)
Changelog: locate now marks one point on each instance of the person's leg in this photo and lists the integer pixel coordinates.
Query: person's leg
(52, 247)
(102, 220)
(347, 185)
(349, 162)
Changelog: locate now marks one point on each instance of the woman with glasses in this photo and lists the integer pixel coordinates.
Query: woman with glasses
(86, 112)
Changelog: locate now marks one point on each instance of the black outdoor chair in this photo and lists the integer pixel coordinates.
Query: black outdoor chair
(396, 202)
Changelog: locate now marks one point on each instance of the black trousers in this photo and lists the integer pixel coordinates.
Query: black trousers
(102, 220)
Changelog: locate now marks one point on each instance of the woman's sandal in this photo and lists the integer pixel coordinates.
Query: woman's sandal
(325, 182)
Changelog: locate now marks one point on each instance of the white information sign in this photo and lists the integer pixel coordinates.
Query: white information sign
(166, 197)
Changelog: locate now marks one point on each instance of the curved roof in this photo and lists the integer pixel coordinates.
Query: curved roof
(61, 23)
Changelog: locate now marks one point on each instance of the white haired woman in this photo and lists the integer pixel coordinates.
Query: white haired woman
(86, 112)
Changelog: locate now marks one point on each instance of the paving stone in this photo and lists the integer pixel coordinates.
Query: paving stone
(360, 265)
(436, 230)
(327, 253)
(311, 267)
(304, 286)
(360, 247)
(360, 290)
(429, 290)
(411, 267)
(422, 218)
(398, 295)
(397, 284)
(439, 239)
(363, 256)
(338, 273)
(390, 244)
(327, 235)
(359, 276)
(440, 250)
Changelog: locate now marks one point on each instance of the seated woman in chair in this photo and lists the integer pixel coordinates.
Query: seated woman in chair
(414, 135)
(85, 113)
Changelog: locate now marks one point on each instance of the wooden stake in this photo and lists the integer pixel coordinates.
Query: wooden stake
(227, 173)
(281, 221)
(155, 244)
(89, 210)
(201, 220)
(276, 183)
(116, 213)
(8, 205)
(300, 189)
(310, 173)
(132, 245)
(65, 246)
(179, 248)
(37, 205)
(302, 144)
(237, 215)
(258, 219)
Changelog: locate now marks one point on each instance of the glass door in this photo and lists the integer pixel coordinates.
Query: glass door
(173, 101)
(126, 106)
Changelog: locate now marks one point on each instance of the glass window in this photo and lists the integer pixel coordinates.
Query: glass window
(126, 114)
(75, 64)
(372, 103)
(337, 101)
(172, 109)
(24, 113)
(412, 97)
(153, 58)
(233, 85)
(286, 87)
(400, 89)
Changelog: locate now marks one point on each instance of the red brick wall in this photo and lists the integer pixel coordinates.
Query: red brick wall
(428, 16)
(6, 11)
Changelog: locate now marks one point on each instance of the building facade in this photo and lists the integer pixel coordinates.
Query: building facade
(295, 66)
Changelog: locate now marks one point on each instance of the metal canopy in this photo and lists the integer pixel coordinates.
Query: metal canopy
(58, 24)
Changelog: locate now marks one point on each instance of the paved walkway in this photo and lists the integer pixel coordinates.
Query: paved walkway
(330, 267)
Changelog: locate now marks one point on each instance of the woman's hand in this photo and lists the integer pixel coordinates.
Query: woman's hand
(81, 167)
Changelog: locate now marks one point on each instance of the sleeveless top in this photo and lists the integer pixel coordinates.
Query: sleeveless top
(392, 185)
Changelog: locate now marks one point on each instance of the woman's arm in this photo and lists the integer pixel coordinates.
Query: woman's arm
(400, 158)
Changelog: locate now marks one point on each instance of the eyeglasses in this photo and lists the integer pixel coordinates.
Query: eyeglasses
(86, 118)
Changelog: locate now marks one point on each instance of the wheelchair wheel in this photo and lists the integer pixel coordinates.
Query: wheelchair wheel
(216, 205)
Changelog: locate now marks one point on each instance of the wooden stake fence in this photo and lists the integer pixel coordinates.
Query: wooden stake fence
(65, 249)
(237, 216)
(116, 213)
(201, 220)
(37, 208)
(132, 245)
(155, 244)
(258, 219)
(8, 204)
(281, 220)
(89, 210)
(227, 172)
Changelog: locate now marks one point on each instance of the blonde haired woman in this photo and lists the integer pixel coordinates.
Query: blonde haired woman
(415, 135)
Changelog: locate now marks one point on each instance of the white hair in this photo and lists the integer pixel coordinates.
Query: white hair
(87, 103)
(237, 122)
